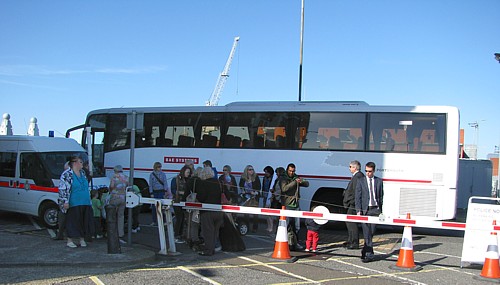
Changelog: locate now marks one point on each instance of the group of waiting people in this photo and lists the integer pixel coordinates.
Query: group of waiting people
(363, 195)
(276, 189)
(82, 211)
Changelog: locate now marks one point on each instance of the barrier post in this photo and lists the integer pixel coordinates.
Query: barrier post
(112, 230)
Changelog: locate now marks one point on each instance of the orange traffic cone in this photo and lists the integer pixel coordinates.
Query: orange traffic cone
(491, 267)
(281, 249)
(405, 259)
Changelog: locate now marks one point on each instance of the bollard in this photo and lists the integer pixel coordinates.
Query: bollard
(112, 228)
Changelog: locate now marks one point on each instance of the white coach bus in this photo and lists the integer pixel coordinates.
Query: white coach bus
(415, 148)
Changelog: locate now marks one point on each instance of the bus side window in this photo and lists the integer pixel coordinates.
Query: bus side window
(185, 141)
(280, 141)
(209, 141)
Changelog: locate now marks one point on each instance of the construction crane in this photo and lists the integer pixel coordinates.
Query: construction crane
(221, 80)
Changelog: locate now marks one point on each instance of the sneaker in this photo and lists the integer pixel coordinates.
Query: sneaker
(134, 231)
(178, 240)
(217, 249)
(71, 244)
(306, 249)
(122, 241)
(138, 228)
(83, 243)
(314, 250)
(99, 236)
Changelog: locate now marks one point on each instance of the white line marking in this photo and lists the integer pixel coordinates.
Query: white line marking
(96, 280)
(439, 266)
(377, 271)
(279, 269)
(198, 275)
(439, 254)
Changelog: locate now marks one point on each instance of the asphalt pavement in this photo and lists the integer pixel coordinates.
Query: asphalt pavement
(37, 248)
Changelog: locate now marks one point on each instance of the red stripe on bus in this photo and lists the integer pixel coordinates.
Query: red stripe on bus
(311, 214)
(406, 180)
(346, 178)
(357, 218)
(404, 221)
(496, 228)
(453, 225)
(271, 211)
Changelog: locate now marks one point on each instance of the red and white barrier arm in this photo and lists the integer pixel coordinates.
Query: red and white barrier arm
(419, 222)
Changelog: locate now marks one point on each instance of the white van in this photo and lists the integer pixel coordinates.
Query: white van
(30, 168)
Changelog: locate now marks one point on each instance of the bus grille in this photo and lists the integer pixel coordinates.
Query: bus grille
(417, 202)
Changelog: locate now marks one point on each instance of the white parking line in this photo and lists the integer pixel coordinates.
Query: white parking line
(96, 280)
(377, 271)
(279, 270)
(198, 275)
(439, 266)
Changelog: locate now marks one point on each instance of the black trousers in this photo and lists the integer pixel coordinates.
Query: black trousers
(352, 229)
(210, 226)
(369, 230)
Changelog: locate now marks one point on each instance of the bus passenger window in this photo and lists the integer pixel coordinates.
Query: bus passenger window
(185, 141)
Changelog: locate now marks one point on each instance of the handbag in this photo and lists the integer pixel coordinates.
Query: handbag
(252, 202)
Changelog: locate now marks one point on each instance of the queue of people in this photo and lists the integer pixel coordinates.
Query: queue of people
(82, 211)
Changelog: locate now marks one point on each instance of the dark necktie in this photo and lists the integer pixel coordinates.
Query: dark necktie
(372, 195)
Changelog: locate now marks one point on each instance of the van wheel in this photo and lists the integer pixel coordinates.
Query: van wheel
(243, 228)
(48, 214)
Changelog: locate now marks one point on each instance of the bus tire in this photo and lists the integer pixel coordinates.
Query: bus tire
(48, 214)
(332, 199)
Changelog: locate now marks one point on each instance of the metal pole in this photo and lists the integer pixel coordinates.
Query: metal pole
(301, 50)
(131, 173)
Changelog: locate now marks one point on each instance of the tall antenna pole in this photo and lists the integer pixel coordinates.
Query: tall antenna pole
(301, 50)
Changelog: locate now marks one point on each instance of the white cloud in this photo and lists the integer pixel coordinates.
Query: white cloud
(27, 70)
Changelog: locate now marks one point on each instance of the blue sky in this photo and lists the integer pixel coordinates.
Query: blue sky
(61, 59)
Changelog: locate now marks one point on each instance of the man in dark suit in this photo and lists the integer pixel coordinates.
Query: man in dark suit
(350, 204)
(369, 199)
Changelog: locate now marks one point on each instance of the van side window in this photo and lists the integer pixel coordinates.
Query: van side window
(8, 164)
(33, 168)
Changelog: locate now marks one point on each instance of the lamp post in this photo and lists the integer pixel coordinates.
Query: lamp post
(301, 49)
(497, 58)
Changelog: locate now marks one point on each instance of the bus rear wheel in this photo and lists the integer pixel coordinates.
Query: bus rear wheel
(333, 200)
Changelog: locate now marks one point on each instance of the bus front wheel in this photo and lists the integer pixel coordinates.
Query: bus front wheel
(48, 214)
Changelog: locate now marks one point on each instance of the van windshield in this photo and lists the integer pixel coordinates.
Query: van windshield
(54, 161)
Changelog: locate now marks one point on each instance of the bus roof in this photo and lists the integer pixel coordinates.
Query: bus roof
(282, 106)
